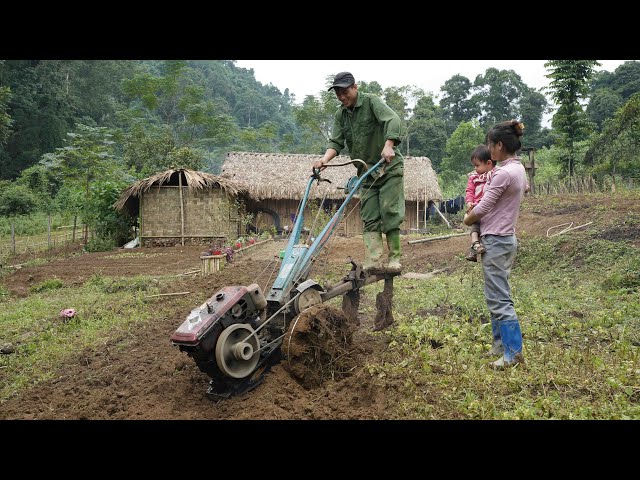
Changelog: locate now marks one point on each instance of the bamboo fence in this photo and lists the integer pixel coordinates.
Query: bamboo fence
(16, 245)
(585, 184)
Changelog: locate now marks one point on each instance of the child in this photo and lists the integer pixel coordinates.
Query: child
(478, 179)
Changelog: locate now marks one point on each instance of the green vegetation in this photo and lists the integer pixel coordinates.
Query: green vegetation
(580, 328)
(106, 308)
(49, 284)
(32, 224)
(92, 127)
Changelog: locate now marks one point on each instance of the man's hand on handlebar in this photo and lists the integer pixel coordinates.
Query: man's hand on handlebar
(319, 165)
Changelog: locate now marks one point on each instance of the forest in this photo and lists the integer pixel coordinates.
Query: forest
(74, 133)
(85, 327)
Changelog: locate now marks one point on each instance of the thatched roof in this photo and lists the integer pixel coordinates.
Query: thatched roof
(193, 179)
(285, 175)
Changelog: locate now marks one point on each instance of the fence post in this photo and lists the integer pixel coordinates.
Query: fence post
(48, 232)
(13, 238)
(75, 219)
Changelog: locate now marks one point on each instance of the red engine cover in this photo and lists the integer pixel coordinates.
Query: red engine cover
(202, 318)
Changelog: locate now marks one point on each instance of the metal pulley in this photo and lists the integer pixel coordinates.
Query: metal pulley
(350, 185)
(237, 350)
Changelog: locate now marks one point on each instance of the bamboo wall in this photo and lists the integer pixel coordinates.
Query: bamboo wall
(286, 210)
(207, 214)
(352, 225)
(410, 221)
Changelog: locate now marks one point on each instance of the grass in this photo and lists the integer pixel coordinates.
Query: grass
(105, 308)
(580, 331)
(33, 224)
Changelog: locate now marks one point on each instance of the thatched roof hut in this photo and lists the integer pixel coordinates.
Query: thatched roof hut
(276, 182)
(285, 175)
(181, 205)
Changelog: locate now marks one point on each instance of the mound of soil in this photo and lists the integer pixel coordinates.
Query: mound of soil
(318, 346)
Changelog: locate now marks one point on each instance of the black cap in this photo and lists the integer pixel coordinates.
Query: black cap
(343, 80)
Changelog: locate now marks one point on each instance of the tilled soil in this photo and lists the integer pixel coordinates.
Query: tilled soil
(142, 376)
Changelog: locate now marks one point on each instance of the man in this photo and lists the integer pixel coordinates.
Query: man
(371, 130)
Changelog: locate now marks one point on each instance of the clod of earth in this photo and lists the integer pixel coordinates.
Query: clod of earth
(318, 346)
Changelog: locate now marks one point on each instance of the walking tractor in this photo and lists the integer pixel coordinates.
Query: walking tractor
(236, 335)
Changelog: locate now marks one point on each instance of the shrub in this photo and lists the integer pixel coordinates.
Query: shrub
(17, 200)
(100, 244)
(50, 284)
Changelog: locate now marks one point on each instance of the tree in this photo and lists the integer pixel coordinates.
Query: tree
(569, 84)
(16, 199)
(396, 99)
(533, 104)
(400, 99)
(603, 105)
(427, 131)
(315, 116)
(49, 97)
(626, 79)
(456, 102)
(617, 149)
(171, 123)
(498, 95)
(44, 185)
(88, 158)
(263, 139)
(457, 162)
(366, 87)
(5, 118)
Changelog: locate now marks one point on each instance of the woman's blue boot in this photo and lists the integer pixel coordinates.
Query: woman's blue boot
(512, 342)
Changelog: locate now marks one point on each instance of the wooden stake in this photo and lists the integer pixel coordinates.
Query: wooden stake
(181, 208)
(441, 237)
(443, 217)
(168, 294)
(568, 229)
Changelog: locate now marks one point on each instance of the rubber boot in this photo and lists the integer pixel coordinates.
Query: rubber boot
(512, 342)
(496, 344)
(393, 242)
(373, 253)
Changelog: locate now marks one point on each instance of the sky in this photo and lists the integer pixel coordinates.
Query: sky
(307, 77)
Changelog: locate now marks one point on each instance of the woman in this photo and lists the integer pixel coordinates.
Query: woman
(498, 211)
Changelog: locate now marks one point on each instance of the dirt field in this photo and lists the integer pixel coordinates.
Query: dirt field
(144, 377)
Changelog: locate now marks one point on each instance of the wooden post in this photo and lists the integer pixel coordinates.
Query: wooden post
(48, 231)
(426, 206)
(73, 238)
(181, 208)
(211, 264)
(140, 218)
(13, 238)
(440, 213)
(532, 184)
